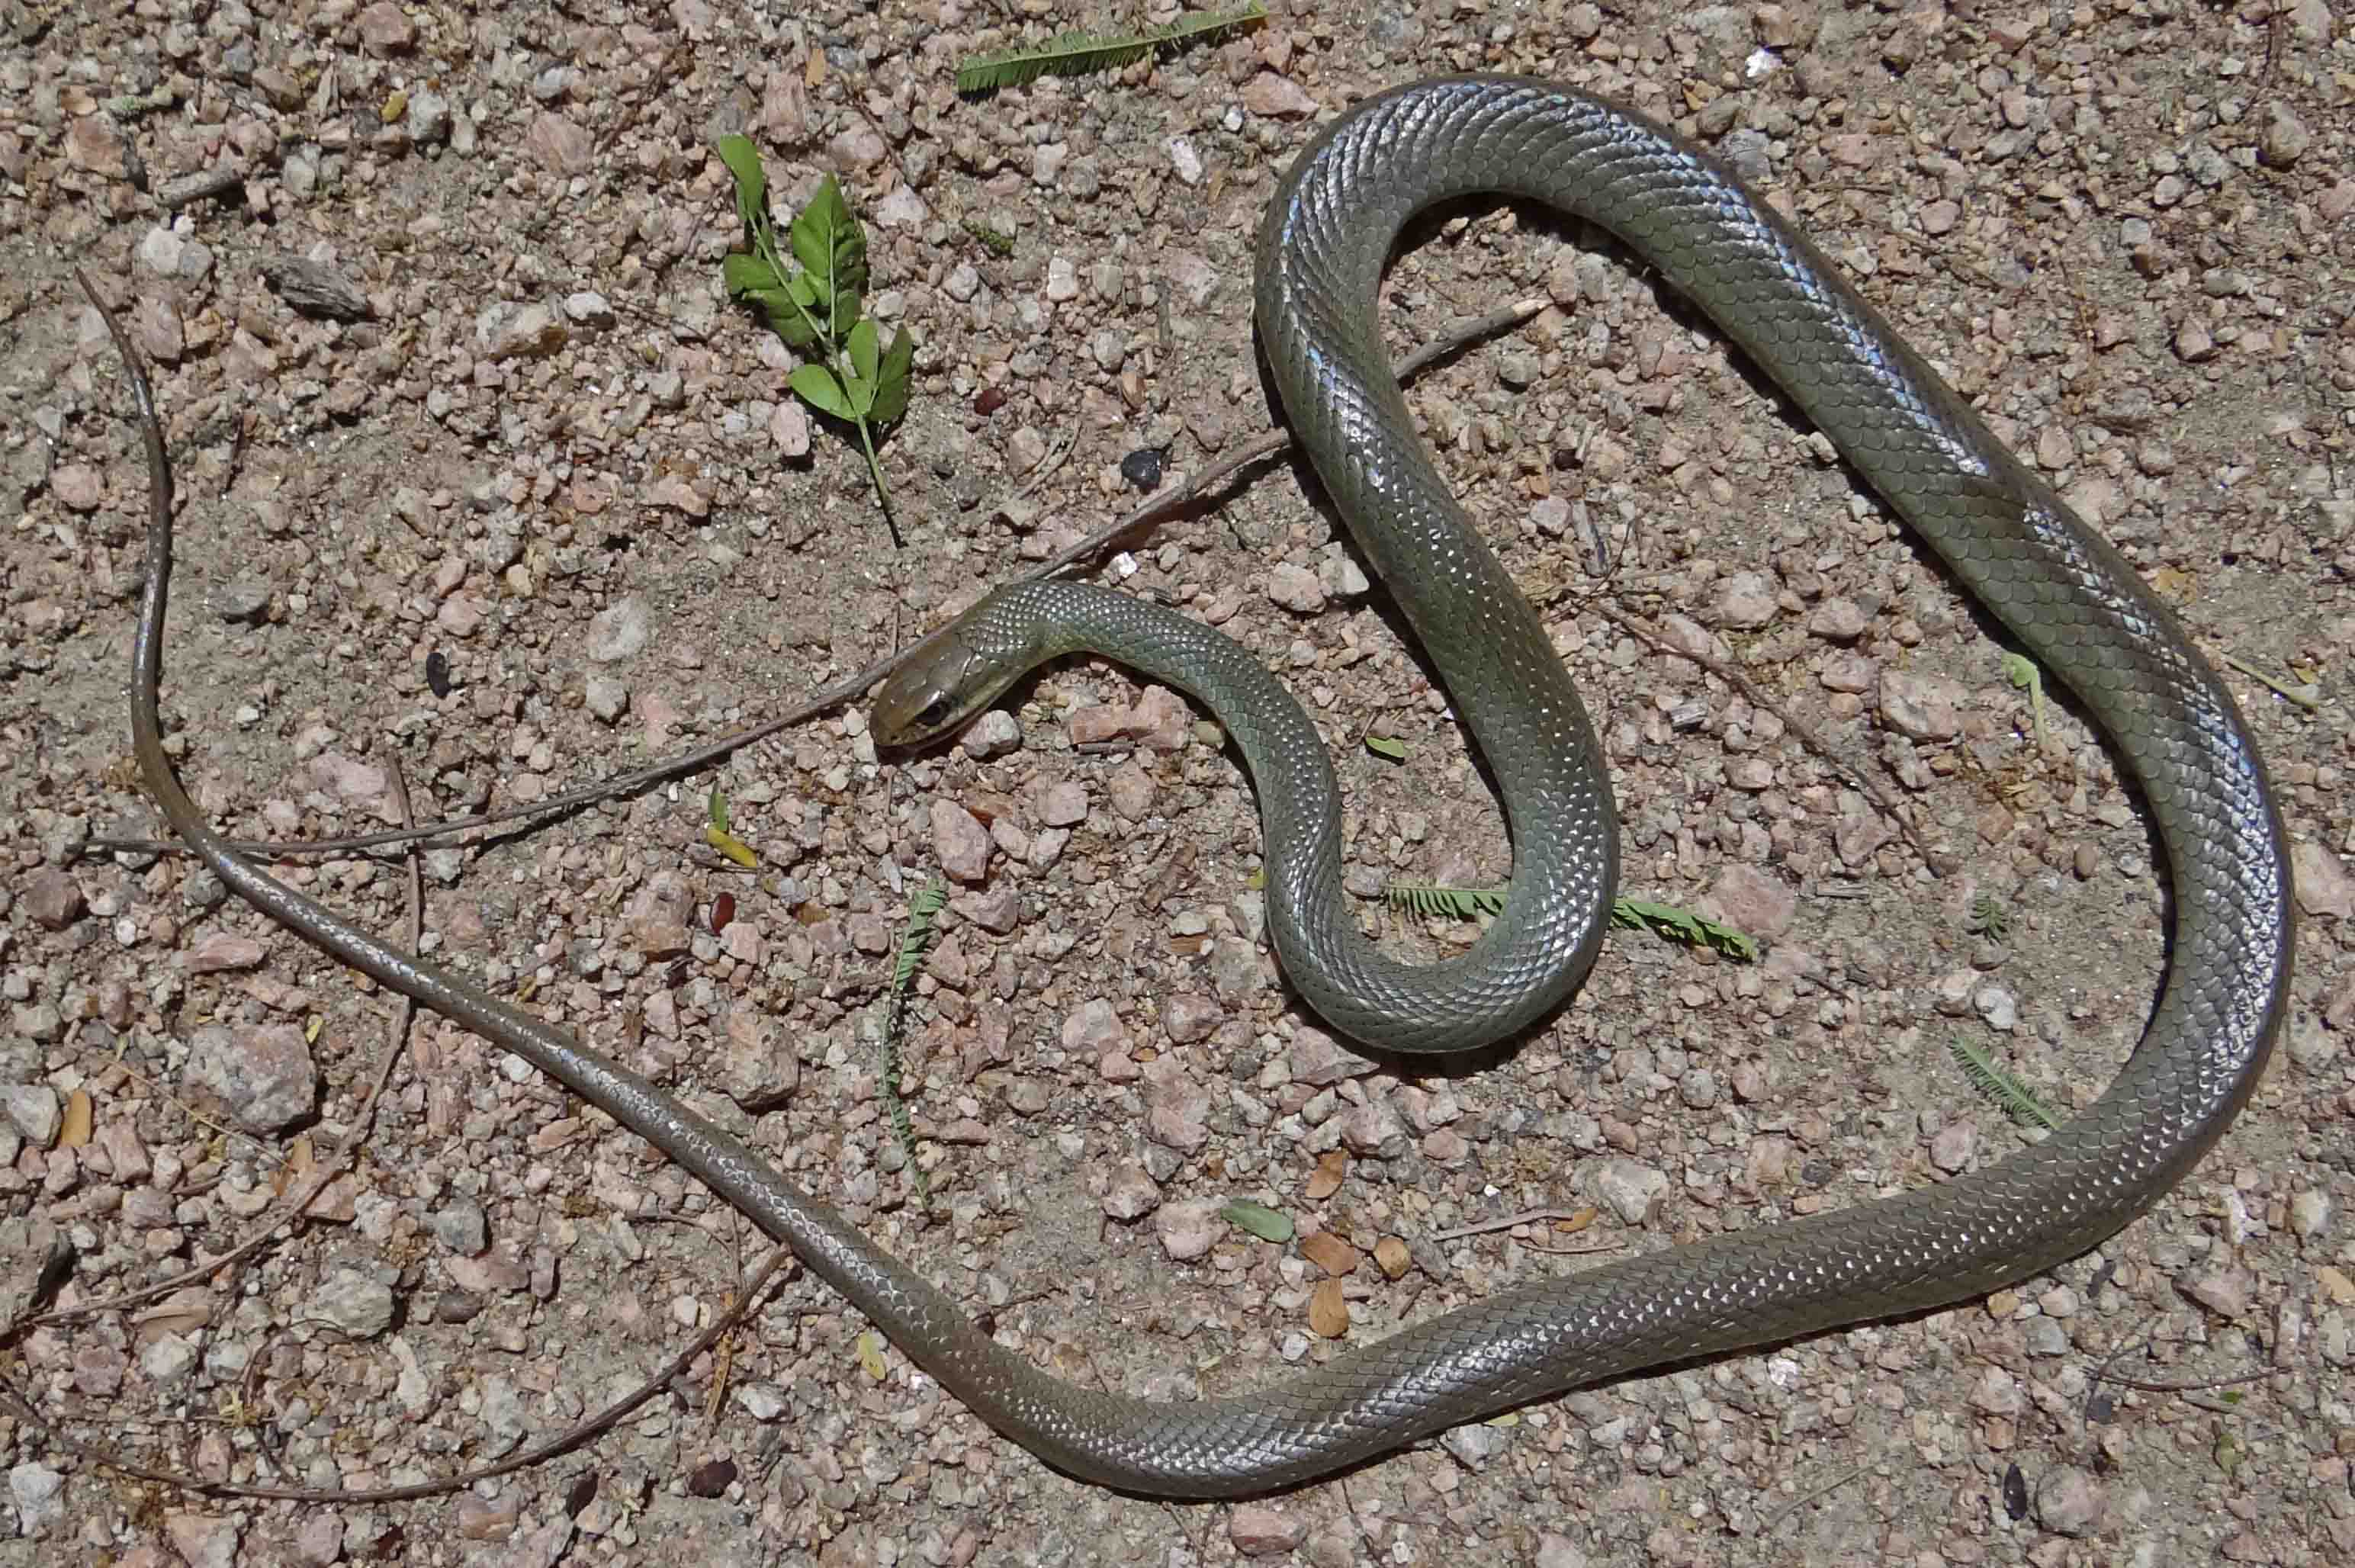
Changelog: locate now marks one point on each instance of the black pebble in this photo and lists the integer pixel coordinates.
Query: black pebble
(1142, 467)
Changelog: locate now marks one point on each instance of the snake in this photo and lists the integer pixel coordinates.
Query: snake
(2067, 595)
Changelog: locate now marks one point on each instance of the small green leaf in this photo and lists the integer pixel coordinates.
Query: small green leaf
(1260, 1220)
(743, 161)
(866, 351)
(718, 808)
(2000, 1087)
(777, 311)
(892, 377)
(1068, 54)
(818, 227)
(827, 242)
(861, 392)
(747, 275)
(1387, 746)
(2022, 671)
(1445, 904)
(819, 388)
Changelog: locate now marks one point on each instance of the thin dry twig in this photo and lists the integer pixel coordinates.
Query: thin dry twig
(16, 1403)
(1577, 1218)
(336, 1165)
(1835, 1484)
(827, 698)
(2104, 1373)
(1758, 697)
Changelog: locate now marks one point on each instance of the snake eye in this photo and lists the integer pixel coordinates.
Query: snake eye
(935, 715)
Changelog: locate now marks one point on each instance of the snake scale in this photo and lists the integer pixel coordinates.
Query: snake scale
(2063, 593)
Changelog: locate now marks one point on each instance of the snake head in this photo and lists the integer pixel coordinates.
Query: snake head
(947, 680)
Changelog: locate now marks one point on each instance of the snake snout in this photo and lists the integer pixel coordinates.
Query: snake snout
(944, 683)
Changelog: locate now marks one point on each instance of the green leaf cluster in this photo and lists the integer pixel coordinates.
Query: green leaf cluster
(813, 303)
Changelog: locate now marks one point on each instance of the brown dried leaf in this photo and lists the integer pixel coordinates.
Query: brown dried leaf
(1328, 1314)
(183, 1312)
(1329, 1253)
(1326, 1179)
(1391, 1256)
(74, 1131)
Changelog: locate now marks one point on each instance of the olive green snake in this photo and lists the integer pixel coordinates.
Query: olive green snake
(2068, 597)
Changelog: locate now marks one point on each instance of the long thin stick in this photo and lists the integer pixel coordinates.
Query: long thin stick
(1161, 505)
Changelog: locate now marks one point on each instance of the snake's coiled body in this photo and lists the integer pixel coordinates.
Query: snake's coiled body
(2067, 595)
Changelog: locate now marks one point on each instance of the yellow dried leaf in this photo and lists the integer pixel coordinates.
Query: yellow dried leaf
(735, 848)
(75, 1130)
(870, 1354)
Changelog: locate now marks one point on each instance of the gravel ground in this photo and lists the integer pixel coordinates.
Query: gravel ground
(544, 512)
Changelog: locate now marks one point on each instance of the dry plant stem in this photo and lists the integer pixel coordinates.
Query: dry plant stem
(850, 688)
(144, 704)
(404, 1015)
(259, 1149)
(14, 1401)
(1871, 787)
(1580, 1218)
(1835, 1484)
(2104, 1374)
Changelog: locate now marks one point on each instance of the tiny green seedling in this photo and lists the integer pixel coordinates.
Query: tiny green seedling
(991, 240)
(848, 372)
(915, 940)
(717, 834)
(1990, 917)
(2000, 1088)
